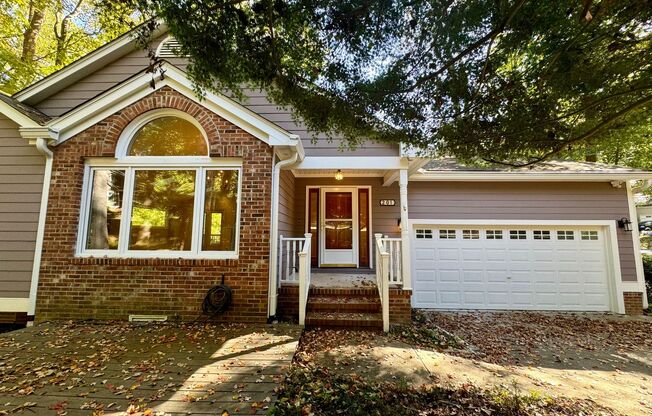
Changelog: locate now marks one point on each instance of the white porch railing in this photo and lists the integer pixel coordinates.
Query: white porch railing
(382, 278)
(394, 248)
(288, 262)
(304, 278)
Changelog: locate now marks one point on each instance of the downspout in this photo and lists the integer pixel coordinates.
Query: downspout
(273, 246)
(42, 147)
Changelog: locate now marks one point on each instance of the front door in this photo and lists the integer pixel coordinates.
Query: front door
(339, 225)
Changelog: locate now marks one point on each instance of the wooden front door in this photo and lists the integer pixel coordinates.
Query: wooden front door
(339, 227)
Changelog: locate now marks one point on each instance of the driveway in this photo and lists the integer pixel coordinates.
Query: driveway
(605, 359)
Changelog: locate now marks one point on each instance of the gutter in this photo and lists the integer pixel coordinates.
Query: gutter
(273, 246)
(42, 147)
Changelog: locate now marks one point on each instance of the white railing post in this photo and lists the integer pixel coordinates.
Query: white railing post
(279, 278)
(304, 278)
(406, 276)
(382, 277)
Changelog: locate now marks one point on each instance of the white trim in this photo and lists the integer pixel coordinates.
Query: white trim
(123, 250)
(481, 176)
(42, 147)
(16, 116)
(347, 174)
(84, 66)
(616, 285)
(127, 135)
(15, 305)
(638, 260)
(138, 87)
(355, 226)
(353, 162)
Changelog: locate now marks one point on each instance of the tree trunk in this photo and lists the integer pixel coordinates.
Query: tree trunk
(36, 16)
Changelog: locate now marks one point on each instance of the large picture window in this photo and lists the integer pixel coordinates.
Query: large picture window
(161, 202)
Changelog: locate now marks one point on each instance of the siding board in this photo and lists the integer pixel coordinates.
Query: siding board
(21, 182)
(525, 201)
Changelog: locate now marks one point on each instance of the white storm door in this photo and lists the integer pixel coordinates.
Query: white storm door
(339, 224)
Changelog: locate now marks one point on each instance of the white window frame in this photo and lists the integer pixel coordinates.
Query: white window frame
(131, 164)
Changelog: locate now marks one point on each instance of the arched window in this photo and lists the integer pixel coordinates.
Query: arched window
(168, 136)
(163, 196)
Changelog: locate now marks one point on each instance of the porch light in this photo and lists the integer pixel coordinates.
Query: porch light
(625, 224)
(339, 175)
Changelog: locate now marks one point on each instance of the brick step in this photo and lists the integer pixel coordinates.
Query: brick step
(367, 292)
(344, 320)
(343, 304)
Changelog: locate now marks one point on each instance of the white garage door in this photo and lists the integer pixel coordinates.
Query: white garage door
(509, 268)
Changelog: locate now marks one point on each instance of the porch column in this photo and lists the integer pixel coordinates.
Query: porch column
(405, 229)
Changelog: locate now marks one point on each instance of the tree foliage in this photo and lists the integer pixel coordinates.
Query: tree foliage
(511, 81)
(37, 37)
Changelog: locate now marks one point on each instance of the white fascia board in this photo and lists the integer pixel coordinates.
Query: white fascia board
(138, 87)
(16, 116)
(82, 67)
(527, 177)
(352, 162)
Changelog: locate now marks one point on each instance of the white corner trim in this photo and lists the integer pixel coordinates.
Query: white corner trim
(84, 66)
(616, 284)
(633, 217)
(127, 134)
(138, 87)
(16, 116)
(14, 305)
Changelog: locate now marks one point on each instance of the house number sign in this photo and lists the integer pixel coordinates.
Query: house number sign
(387, 202)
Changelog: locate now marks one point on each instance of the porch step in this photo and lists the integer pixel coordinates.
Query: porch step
(344, 320)
(344, 303)
(367, 292)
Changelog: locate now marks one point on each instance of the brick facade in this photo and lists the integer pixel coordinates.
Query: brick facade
(103, 288)
(400, 306)
(633, 303)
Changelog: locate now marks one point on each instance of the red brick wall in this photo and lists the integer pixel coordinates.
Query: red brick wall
(102, 288)
(633, 303)
(400, 306)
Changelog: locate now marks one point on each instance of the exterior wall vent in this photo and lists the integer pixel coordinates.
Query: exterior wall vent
(148, 318)
(169, 48)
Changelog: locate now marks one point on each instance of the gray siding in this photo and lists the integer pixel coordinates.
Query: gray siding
(257, 101)
(525, 201)
(287, 225)
(21, 181)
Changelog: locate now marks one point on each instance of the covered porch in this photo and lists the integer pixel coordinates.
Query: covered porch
(340, 236)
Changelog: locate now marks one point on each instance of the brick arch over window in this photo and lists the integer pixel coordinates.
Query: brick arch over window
(214, 126)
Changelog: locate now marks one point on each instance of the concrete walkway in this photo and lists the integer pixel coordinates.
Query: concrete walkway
(118, 368)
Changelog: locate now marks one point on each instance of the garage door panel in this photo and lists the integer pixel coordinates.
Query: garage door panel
(525, 273)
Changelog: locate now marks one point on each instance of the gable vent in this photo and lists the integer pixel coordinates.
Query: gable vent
(169, 48)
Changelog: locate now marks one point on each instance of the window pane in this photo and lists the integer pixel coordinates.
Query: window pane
(168, 136)
(162, 212)
(313, 224)
(220, 210)
(105, 210)
(363, 224)
(339, 235)
(339, 205)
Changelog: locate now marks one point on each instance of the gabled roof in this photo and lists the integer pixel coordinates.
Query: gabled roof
(22, 114)
(452, 169)
(139, 86)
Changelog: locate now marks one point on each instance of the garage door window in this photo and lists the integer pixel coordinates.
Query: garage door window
(589, 235)
(447, 234)
(541, 235)
(494, 234)
(424, 233)
(565, 235)
(471, 234)
(518, 235)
